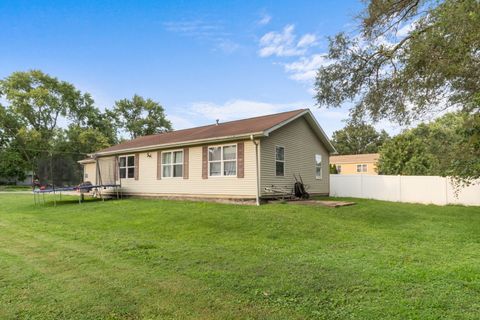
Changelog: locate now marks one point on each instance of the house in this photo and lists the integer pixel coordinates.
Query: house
(356, 163)
(15, 181)
(236, 159)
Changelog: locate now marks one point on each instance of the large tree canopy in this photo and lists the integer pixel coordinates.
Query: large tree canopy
(358, 139)
(428, 149)
(45, 121)
(35, 103)
(140, 117)
(403, 75)
(411, 60)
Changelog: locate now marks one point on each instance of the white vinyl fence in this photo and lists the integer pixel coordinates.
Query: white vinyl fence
(416, 189)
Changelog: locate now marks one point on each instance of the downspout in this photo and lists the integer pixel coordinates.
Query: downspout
(257, 194)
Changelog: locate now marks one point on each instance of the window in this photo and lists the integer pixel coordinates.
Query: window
(361, 168)
(222, 161)
(127, 167)
(172, 164)
(279, 161)
(339, 168)
(86, 175)
(318, 166)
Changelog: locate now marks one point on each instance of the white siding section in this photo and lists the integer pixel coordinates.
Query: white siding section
(194, 186)
(415, 189)
(301, 144)
(89, 173)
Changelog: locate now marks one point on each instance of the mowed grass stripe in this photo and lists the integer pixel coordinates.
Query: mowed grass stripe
(97, 281)
(170, 259)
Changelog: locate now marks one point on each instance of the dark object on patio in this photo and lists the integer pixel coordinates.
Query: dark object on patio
(299, 188)
(85, 186)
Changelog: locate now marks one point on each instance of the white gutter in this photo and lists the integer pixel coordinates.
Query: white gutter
(85, 161)
(257, 169)
(179, 144)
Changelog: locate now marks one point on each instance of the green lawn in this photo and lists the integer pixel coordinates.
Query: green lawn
(153, 259)
(10, 188)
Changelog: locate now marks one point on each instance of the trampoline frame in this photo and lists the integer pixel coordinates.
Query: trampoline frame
(39, 194)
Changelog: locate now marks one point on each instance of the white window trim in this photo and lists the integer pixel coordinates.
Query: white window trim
(321, 166)
(361, 168)
(222, 161)
(126, 156)
(275, 157)
(172, 164)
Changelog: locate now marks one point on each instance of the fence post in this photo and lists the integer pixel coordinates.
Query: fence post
(446, 189)
(399, 188)
(361, 185)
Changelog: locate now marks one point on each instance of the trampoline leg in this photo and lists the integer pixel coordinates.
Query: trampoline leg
(54, 199)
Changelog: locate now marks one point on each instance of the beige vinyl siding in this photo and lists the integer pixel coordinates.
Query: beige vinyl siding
(89, 173)
(231, 187)
(301, 144)
(351, 168)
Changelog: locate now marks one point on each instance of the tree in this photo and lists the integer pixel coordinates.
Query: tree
(30, 134)
(411, 59)
(358, 139)
(428, 149)
(83, 140)
(333, 169)
(140, 117)
(467, 151)
(104, 123)
(12, 165)
(35, 104)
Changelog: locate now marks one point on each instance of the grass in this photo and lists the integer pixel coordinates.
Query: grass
(153, 259)
(12, 188)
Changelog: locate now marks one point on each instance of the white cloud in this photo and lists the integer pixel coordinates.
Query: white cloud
(307, 40)
(306, 68)
(239, 109)
(227, 46)
(179, 122)
(210, 32)
(264, 20)
(406, 29)
(195, 28)
(284, 43)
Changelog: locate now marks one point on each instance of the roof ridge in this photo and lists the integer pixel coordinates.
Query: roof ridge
(235, 128)
(223, 123)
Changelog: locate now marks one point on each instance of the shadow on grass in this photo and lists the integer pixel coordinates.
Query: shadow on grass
(67, 200)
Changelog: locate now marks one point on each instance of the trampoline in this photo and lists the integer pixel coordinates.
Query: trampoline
(106, 173)
(39, 194)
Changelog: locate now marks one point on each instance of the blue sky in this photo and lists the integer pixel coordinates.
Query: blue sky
(201, 60)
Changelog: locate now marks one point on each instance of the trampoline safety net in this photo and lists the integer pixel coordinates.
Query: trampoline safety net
(106, 171)
(61, 172)
(57, 170)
